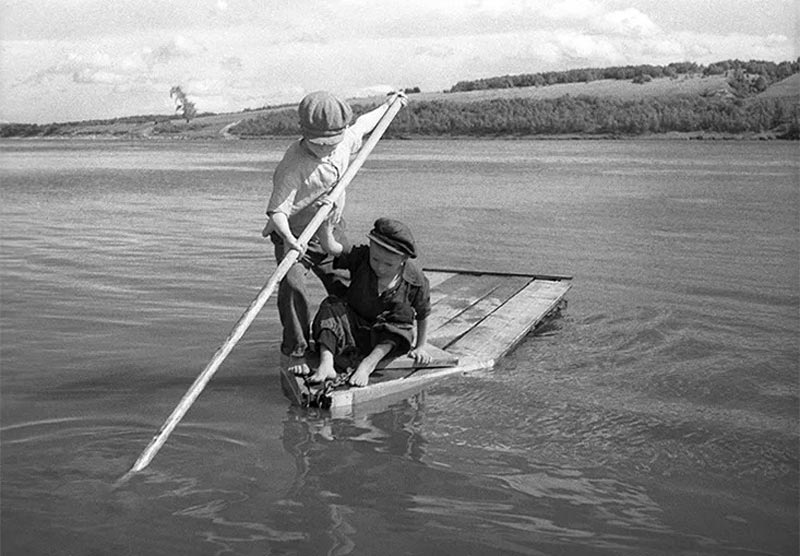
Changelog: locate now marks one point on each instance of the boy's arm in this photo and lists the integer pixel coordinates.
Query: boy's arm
(422, 333)
(279, 222)
(367, 122)
(419, 353)
(326, 240)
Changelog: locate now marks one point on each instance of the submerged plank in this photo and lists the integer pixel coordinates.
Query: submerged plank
(500, 331)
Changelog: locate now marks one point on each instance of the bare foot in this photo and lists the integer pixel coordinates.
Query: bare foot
(359, 378)
(295, 365)
(323, 373)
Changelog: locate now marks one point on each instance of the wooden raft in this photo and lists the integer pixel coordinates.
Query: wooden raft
(477, 317)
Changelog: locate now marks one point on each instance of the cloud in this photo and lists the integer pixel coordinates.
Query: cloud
(233, 54)
(629, 22)
(98, 76)
(705, 48)
(371, 91)
(231, 63)
(585, 49)
(442, 51)
(178, 47)
(103, 68)
(575, 10)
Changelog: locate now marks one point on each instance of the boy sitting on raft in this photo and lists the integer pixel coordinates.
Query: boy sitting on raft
(387, 293)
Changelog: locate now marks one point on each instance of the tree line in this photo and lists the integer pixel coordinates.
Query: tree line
(768, 72)
(527, 116)
(569, 115)
(740, 112)
(65, 128)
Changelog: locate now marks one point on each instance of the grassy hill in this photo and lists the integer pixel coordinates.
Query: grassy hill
(219, 126)
(787, 88)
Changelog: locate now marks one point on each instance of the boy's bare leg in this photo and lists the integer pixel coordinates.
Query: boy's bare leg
(368, 364)
(326, 369)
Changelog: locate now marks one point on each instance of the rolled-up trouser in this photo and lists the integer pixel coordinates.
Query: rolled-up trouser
(294, 307)
(350, 337)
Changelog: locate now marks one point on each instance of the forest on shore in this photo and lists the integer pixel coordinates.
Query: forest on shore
(737, 110)
(569, 115)
(741, 107)
(744, 77)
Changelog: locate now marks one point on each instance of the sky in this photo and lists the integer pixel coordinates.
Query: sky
(67, 60)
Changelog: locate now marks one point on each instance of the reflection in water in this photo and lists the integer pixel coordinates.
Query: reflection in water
(499, 501)
(337, 461)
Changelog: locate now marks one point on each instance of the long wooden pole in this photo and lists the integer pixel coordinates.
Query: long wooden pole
(258, 303)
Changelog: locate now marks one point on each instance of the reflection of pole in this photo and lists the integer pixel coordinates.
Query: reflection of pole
(297, 441)
(256, 305)
(319, 460)
(331, 520)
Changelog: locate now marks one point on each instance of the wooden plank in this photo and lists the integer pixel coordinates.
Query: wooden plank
(464, 292)
(408, 381)
(389, 369)
(441, 358)
(435, 278)
(473, 272)
(292, 387)
(413, 381)
(445, 288)
(462, 323)
(499, 332)
(460, 285)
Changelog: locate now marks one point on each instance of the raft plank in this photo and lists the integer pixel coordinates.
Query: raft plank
(435, 277)
(441, 358)
(474, 272)
(459, 287)
(462, 323)
(469, 290)
(499, 332)
(413, 381)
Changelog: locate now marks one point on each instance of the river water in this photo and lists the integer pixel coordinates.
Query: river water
(657, 415)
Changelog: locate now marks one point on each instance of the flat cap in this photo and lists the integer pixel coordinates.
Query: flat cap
(394, 236)
(324, 117)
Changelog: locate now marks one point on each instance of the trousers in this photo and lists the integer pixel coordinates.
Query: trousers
(350, 337)
(294, 306)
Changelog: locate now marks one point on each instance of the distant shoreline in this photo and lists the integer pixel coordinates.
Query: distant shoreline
(688, 107)
(668, 136)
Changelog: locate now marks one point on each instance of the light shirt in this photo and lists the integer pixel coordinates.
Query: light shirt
(301, 178)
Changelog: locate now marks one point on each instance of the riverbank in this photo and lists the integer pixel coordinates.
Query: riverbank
(670, 136)
(691, 107)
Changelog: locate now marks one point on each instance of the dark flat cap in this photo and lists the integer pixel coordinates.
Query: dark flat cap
(394, 236)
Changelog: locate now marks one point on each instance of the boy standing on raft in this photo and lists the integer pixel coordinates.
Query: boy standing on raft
(309, 169)
(376, 315)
